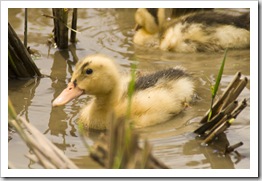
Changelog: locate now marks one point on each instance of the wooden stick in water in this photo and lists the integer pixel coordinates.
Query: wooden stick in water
(25, 30)
(239, 108)
(48, 155)
(222, 127)
(74, 26)
(227, 112)
(19, 60)
(60, 27)
(229, 149)
(242, 84)
(233, 84)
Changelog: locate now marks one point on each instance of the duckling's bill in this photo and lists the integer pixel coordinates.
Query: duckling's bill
(71, 92)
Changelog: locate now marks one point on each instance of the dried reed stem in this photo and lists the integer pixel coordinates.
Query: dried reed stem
(225, 110)
(46, 153)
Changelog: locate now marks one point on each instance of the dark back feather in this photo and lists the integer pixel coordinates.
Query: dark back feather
(150, 80)
(177, 12)
(212, 18)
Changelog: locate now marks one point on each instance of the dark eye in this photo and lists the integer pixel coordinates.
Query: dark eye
(89, 71)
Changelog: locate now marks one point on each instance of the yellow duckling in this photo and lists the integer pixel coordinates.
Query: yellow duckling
(157, 97)
(194, 32)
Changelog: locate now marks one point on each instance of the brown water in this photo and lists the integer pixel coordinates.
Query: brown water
(110, 31)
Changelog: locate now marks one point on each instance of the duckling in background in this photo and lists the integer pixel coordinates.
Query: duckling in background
(177, 12)
(203, 31)
(149, 24)
(157, 97)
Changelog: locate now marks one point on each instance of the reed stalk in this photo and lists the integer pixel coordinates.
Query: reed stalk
(25, 30)
(74, 26)
(227, 108)
(232, 148)
(20, 62)
(45, 152)
(60, 27)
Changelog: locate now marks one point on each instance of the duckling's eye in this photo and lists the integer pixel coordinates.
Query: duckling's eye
(89, 71)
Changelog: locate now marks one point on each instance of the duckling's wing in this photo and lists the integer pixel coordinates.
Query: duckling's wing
(160, 96)
(150, 80)
(211, 18)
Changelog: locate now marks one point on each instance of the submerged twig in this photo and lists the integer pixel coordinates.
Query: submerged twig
(46, 153)
(229, 149)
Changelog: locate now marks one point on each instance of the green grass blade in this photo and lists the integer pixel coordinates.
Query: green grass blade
(131, 88)
(214, 88)
(214, 92)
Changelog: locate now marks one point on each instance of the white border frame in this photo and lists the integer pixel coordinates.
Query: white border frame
(252, 172)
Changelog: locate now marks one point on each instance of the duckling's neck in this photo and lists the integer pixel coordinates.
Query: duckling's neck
(102, 110)
(105, 101)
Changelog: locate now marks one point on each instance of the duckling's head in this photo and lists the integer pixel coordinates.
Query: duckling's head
(150, 19)
(148, 27)
(94, 75)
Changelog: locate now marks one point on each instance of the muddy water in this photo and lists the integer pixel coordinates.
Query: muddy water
(110, 31)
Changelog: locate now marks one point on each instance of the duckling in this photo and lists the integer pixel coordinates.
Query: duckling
(177, 12)
(205, 31)
(157, 96)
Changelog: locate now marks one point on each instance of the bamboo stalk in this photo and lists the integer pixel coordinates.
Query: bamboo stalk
(239, 108)
(208, 125)
(25, 30)
(227, 100)
(47, 154)
(213, 123)
(219, 123)
(74, 26)
(234, 84)
(242, 84)
(19, 60)
(231, 85)
(60, 27)
(226, 109)
(222, 127)
(229, 149)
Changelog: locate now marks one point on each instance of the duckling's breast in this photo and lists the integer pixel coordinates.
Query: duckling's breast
(144, 38)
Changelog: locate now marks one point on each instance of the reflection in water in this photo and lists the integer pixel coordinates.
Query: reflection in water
(211, 153)
(58, 124)
(110, 31)
(26, 91)
(21, 99)
(22, 94)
